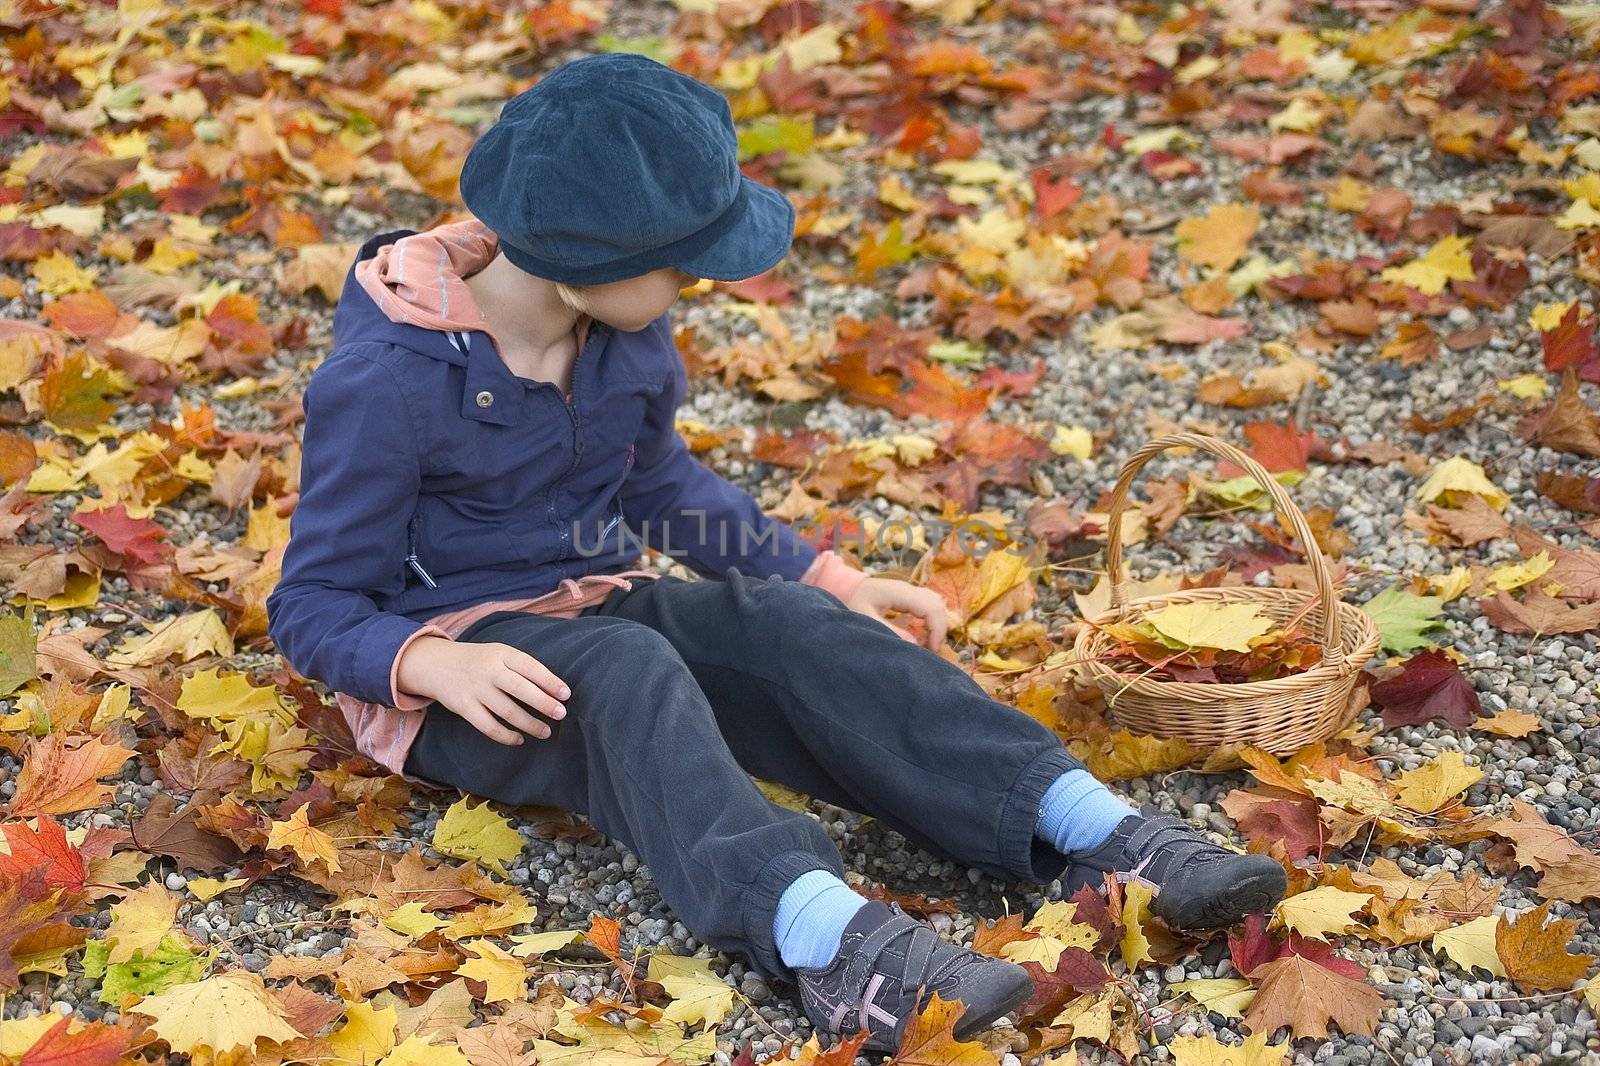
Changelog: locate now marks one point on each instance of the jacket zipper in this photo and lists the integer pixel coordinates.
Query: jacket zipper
(411, 556)
(572, 413)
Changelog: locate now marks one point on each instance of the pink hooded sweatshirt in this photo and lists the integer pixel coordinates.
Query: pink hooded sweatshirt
(417, 280)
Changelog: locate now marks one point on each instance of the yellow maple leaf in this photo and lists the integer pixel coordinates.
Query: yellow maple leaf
(1448, 260)
(1459, 476)
(1057, 931)
(1438, 784)
(1546, 316)
(1580, 214)
(1525, 386)
(366, 1036)
(1472, 944)
(1350, 195)
(140, 920)
(1089, 1015)
(60, 275)
(699, 996)
(1218, 238)
(413, 920)
(1227, 996)
(1510, 723)
(1206, 1050)
(214, 696)
(1135, 909)
(505, 977)
(1058, 918)
(527, 945)
(1228, 626)
(468, 832)
(220, 1014)
(1322, 911)
(308, 843)
(1075, 441)
(208, 888)
(1450, 585)
(1515, 575)
(416, 1051)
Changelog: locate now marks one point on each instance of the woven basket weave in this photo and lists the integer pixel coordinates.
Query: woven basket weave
(1281, 715)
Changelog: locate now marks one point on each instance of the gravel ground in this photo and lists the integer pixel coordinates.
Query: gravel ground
(1434, 1013)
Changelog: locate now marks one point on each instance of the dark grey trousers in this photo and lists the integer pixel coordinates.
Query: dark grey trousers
(682, 689)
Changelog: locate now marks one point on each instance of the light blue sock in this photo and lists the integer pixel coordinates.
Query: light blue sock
(812, 915)
(1078, 813)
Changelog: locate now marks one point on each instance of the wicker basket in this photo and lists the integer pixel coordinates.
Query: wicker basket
(1281, 715)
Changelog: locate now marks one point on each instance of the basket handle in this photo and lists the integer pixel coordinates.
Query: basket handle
(1285, 506)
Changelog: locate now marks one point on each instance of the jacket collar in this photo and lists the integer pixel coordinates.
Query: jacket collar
(358, 317)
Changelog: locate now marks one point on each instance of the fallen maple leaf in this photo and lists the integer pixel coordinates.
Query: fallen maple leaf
(93, 1044)
(1510, 723)
(163, 830)
(1570, 870)
(1472, 944)
(308, 843)
(1448, 260)
(1567, 424)
(1535, 954)
(1297, 993)
(1570, 345)
(1255, 945)
(1205, 1050)
(1322, 911)
(60, 774)
(1538, 613)
(140, 921)
(1404, 617)
(1075, 973)
(45, 848)
(1429, 686)
(1438, 784)
(27, 906)
(220, 1014)
(1277, 816)
(1218, 239)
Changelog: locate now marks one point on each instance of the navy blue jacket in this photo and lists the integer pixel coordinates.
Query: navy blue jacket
(433, 478)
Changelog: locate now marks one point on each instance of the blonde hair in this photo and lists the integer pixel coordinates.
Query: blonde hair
(576, 297)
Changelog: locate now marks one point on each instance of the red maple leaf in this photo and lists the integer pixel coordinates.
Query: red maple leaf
(96, 1044)
(1572, 344)
(1255, 946)
(139, 538)
(1076, 972)
(27, 904)
(1428, 686)
(1276, 446)
(1052, 195)
(45, 848)
(1268, 815)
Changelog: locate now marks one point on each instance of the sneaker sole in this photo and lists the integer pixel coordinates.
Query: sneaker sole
(1253, 894)
(976, 1020)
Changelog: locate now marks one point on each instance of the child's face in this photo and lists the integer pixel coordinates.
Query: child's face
(634, 303)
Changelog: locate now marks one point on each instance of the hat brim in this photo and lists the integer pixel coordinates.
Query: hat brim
(753, 245)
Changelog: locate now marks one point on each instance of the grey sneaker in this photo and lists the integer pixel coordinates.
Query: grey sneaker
(889, 965)
(1195, 884)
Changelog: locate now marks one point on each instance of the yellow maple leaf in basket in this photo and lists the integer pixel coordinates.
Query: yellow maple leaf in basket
(1224, 626)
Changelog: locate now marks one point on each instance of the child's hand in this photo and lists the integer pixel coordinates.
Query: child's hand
(484, 683)
(878, 595)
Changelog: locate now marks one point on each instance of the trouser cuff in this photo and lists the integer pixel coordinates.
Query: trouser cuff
(1024, 854)
(761, 904)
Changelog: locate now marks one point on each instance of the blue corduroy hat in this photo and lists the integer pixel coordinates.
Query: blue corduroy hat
(614, 166)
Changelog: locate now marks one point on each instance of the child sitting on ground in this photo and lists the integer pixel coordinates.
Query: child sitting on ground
(498, 405)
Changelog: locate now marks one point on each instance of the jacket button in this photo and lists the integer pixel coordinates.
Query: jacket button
(485, 398)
